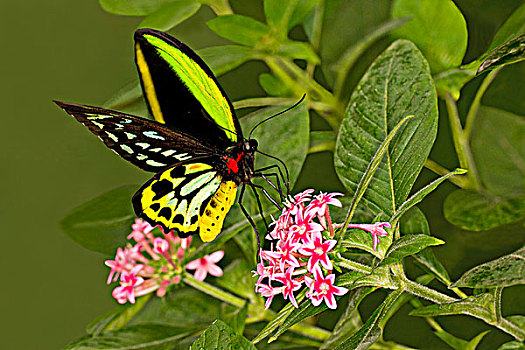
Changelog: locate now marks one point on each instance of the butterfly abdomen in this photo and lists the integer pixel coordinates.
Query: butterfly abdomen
(213, 216)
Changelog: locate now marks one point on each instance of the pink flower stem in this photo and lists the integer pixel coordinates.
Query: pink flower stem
(329, 222)
(150, 251)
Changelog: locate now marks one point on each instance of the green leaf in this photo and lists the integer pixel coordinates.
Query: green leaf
(453, 80)
(234, 317)
(360, 239)
(337, 35)
(508, 53)
(396, 85)
(127, 95)
(372, 328)
(133, 8)
(474, 211)
(220, 336)
(478, 306)
(460, 344)
(408, 245)
(513, 27)
(502, 272)
(321, 141)
(170, 15)
(116, 318)
(285, 14)
(518, 320)
(239, 29)
(415, 222)
(380, 277)
(437, 28)
(272, 85)
(285, 137)
(144, 336)
(422, 193)
(103, 223)
(350, 320)
(513, 345)
(225, 58)
(298, 50)
(498, 148)
(506, 90)
(238, 279)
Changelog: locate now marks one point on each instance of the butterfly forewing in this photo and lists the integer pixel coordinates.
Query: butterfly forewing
(147, 144)
(181, 90)
(188, 197)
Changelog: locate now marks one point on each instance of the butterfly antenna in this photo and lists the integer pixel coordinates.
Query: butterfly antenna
(222, 127)
(276, 115)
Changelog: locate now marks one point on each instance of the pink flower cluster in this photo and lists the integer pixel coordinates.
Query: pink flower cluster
(304, 250)
(155, 263)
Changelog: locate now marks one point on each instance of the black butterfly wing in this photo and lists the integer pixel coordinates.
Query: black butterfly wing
(145, 143)
(182, 92)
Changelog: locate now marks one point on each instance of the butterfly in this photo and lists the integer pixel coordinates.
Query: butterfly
(195, 144)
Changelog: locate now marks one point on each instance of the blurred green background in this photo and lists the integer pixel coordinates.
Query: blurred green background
(74, 51)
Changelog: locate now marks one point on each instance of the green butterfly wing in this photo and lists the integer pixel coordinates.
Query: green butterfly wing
(181, 90)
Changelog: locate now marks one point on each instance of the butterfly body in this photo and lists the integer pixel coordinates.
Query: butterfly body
(195, 144)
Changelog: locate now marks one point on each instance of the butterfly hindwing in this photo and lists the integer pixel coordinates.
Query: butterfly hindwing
(190, 196)
(147, 144)
(181, 90)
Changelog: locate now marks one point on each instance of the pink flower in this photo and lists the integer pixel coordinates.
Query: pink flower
(317, 250)
(322, 200)
(140, 227)
(323, 288)
(376, 230)
(267, 291)
(206, 265)
(304, 227)
(128, 281)
(286, 250)
(290, 285)
(160, 246)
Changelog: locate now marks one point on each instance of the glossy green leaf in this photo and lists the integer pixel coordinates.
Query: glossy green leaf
(510, 52)
(285, 14)
(239, 29)
(372, 328)
(298, 50)
(408, 245)
(513, 345)
(415, 222)
(103, 223)
(478, 306)
(458, 343)
(272, 85)
(422, 193)
(220, 336)
(437, 28)
(498, 148)
(321, 141)
(170, 15)
(452, 81)
(513, 27)
(360, 239)
(225, 58)
(345, 24)
(478, 212)
(116, 318)
(506, 271)
(397, 84)
(144, 336)
(237, 278)
(506, 90)
(234, 317)
(284, 137)
(133, 8)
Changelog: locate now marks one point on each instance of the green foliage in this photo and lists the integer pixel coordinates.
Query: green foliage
(460, 344)
(170, 15)
(408, 245)
(438, 29)
(219, 336)
(502, 272)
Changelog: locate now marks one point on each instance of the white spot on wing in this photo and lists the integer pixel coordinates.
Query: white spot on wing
(168, 153)
(98, 124)
(153, 135)
(154, 163)
(130, 135)
(111, 136)
(182, 156)
(144, 145)
(127, 149)
(155, 149)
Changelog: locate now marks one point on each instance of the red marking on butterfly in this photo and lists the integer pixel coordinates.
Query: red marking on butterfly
(232, 163)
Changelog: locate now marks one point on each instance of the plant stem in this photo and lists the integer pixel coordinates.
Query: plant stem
(474, 107)
(262, 102)
(460, 144)
(421, 291)
(315, 40)
(220, 7)
(416, 303)
(497, 304)
(213, 291)
(354, 266)
(440, 170)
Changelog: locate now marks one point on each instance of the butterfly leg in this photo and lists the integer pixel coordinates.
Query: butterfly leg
(277, 188)
(266, 194)
(259, 205)
(250, 220)
(275, 166)
(287, 182)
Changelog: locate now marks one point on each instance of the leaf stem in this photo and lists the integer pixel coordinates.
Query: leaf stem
(497, 305)
(474, 107)
(460, 144)
(424, 292)
(441, 170)
(315, 39)
(213, 291)
(353, 265)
